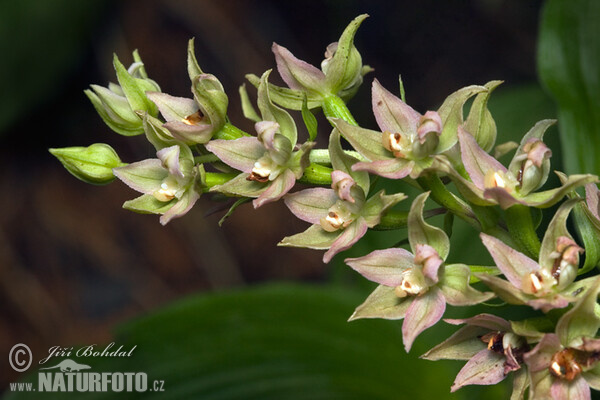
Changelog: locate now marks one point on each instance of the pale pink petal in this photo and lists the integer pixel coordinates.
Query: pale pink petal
(424, 312)
(485, 368)
(351, 235)
(383, 266)
(578, 389)
(477, 162)
(240, 154)
(514, 265)
(297, 74)
(277, 189)
(393, 168)
(392, 114)
(311, 205)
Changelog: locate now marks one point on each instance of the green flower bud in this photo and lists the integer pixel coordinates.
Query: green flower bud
(92, 164)
(117, 104)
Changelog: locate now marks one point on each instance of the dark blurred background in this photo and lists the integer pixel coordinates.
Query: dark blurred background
(73, 263)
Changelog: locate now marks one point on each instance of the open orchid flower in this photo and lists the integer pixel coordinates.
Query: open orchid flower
(408, 141)
(492, 349)
(492, 183)
(194, 120)
(564, 364)
(341, 215)
(546, 284)
(415, 285)
(271, 162)
(169, 183)
(341, 73)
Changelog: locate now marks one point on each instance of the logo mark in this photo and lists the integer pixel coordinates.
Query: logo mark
(69, 366)
(20, 357)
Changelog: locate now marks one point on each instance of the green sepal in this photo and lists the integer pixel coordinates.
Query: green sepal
(192, 64)
(342, 161)
(135, 89)
(420, 232)
(92, 164)
(125, 126)
(271, 112)
(378, 204)
(287, 98)
(480, 122)
(247, 108)
(589, 232)
(314, 237)
(309, 119)
(148, 204)
(582, 320)
(532, 328)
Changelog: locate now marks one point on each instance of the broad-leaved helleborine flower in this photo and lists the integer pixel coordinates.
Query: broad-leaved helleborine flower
(491, 348)
(546, 284)
(341, 215)
(194, 120)
(564, 364)
(492, 183)
(170, 183)
(271, 162)
(341, 73)
(117, 104)
(415, 286)
(408, 141)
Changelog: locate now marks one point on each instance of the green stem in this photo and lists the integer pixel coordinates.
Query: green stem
(217, 178)
(230, 132)
(446, 199)
(334, 107)
(321, 156)
(394, 219)
(521, 227)
(206, 158)
(317, 174)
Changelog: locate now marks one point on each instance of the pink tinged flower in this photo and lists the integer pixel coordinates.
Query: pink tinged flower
(492, 183)
(341, 73)
(565, 363)
(548, 283)
(168, 183)
(491, 348)
(271, 162)
(408, 141)
(415, 285)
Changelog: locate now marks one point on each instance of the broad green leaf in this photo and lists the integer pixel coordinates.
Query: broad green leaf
(568, 64)
(273, 342)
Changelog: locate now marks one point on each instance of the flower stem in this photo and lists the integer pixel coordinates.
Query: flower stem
(321, 156)
(395, 219)
(334, 107)
(521, 228)
(230, 132)
(445, 198)
(217, 178)
(317, 174)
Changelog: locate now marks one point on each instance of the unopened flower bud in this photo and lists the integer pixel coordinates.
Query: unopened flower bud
(93, 164)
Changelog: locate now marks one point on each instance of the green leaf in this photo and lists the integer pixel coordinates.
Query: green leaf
(309, 119)
(568, 64)
(192, 64)
(133, 91)
(247, 107)
(235, 205)
(268, 343)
